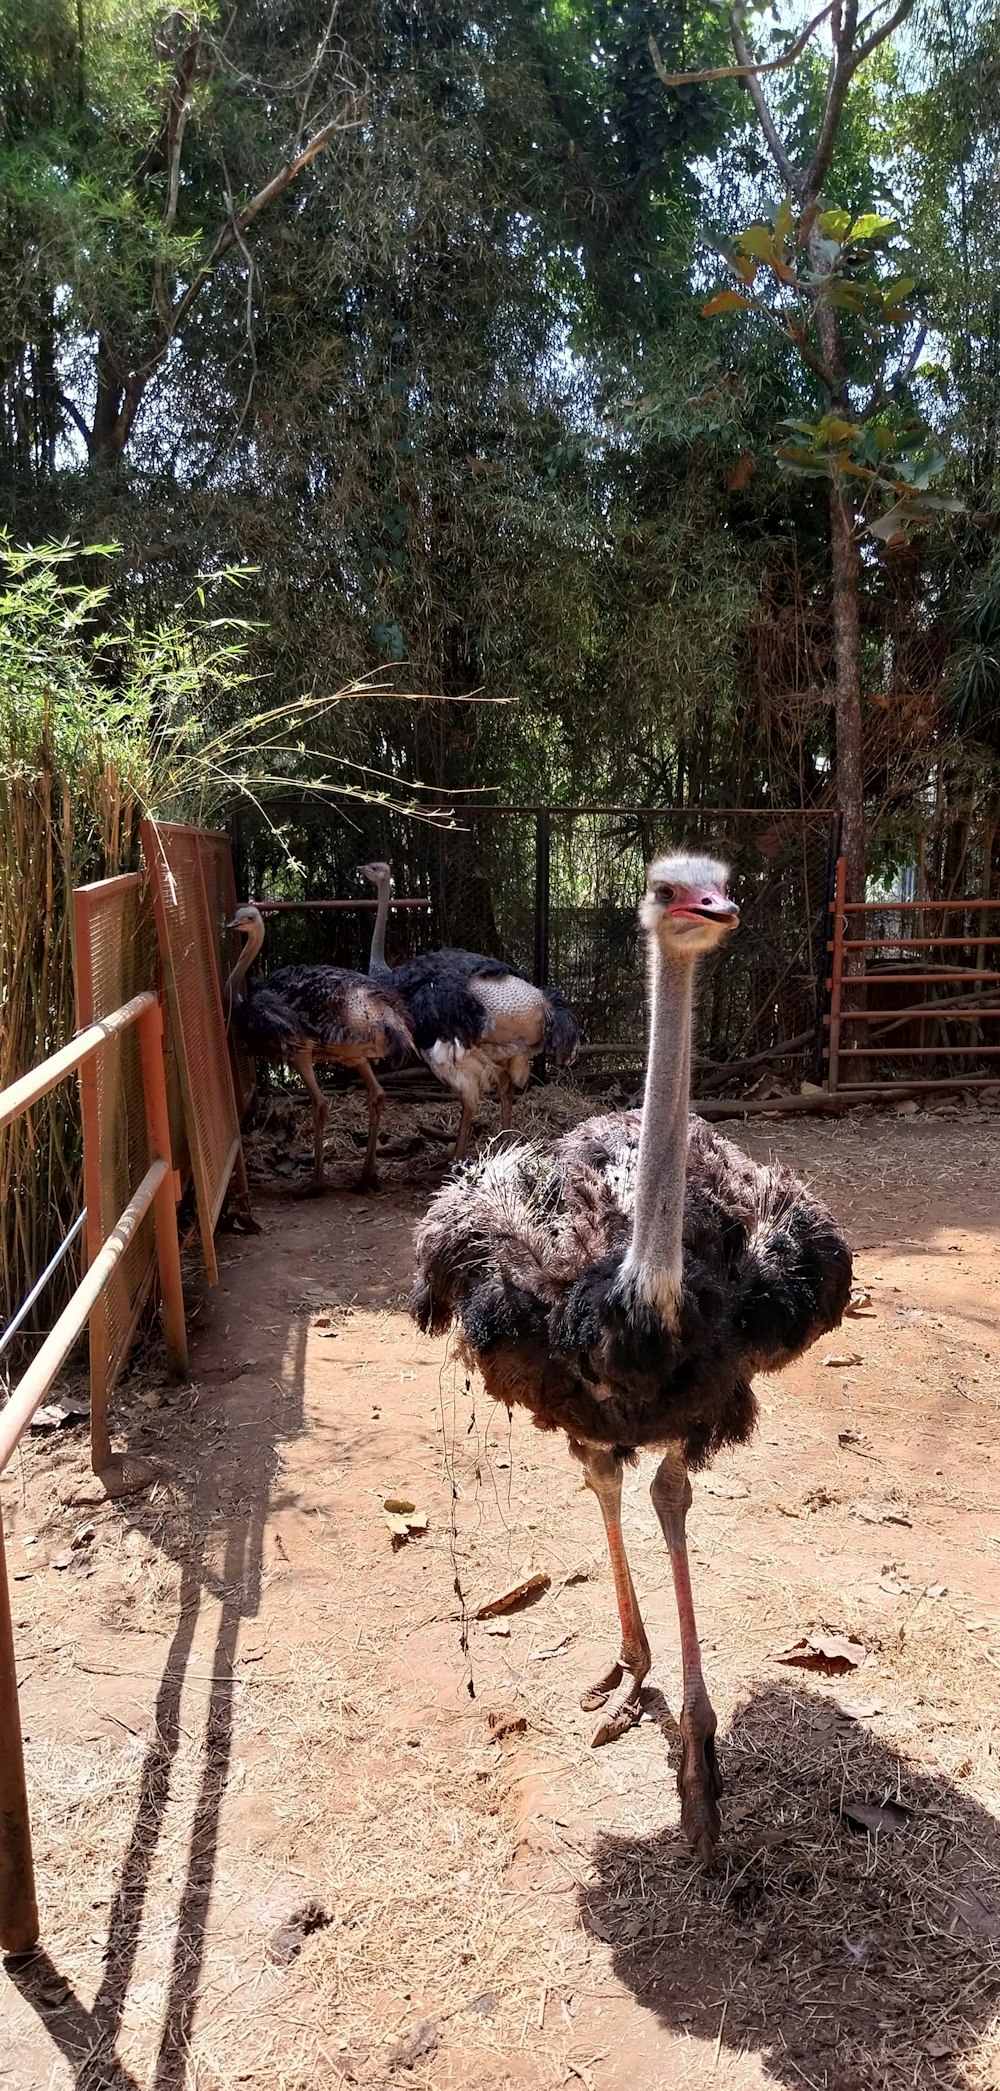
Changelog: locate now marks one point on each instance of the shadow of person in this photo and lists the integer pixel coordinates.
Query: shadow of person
(846, 1954)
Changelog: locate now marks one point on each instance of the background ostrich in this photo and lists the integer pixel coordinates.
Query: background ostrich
(625, 1282)
(475, 1020)
(303, 1014)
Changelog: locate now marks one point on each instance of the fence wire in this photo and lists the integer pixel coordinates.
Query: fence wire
(555, 891)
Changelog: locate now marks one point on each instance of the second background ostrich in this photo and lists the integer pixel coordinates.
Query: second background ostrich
(476, 1021)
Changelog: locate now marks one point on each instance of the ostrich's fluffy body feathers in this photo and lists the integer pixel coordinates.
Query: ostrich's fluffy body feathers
(525, 1249)
(467, 1001)
(336, 1013)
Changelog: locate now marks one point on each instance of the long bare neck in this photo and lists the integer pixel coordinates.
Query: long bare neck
(377, 968)
(251, 945)
(654, 1264)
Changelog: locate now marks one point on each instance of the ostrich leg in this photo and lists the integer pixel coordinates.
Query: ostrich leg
(303, 1065)
(604, 1475)
(698, 1779)
(506, 1088)
(368, 1179)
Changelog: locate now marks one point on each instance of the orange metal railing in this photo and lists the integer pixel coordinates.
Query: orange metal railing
(154, 1194)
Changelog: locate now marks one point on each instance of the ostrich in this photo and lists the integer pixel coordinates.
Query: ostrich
(302, 1014)
(475, 1020)
(625, 1282)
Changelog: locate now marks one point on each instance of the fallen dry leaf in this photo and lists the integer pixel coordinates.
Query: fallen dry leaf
(286, 1942)
(860, 1709)
(504, 1724)
(971, 1916)
(721, 1485)
(521, 1594)
(875, 1817)
(834, 1653)
(498, 1626)
(403, 1519)
(883, 1513)
(860, 1303)
(422, 2040)
(843, 1357)
(545, 1655)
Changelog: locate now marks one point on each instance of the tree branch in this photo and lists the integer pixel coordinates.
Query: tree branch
(782, 158)
(75, 416)
(232, 232)
(844, 66)
(878, 36)
(742, 71)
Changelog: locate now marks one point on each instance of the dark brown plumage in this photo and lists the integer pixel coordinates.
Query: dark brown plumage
(305, 1014)
(525, 1251)
(625, 1282)
(476, 1021)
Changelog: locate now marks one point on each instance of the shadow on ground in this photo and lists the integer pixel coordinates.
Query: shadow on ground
(846, 1958)
(222, 1455)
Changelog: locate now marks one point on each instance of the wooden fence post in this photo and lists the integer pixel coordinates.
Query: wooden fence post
(18, 1907)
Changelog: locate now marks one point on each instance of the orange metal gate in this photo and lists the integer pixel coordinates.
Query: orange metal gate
(872, 957)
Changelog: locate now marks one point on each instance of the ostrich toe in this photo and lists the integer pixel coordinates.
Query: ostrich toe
(700, 1785)
(623, 1713)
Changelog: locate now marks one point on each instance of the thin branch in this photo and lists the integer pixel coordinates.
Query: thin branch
(313, 74)
(742, 71)
(778, 149)
(75, 416)
(881, 391)
(878, 36)
(235, 227)
(845, 63)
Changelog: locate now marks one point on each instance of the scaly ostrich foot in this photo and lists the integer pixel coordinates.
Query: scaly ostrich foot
(699, 1784)
(623, 1713)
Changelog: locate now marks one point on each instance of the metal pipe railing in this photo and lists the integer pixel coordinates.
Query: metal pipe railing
(19, 1922)
(17, 1320)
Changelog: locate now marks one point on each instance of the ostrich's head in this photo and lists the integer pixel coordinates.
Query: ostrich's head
(379, 874)
(248, 920)
(686, 906)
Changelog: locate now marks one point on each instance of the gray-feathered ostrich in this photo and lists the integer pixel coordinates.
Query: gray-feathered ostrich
(625, 1282)
(475, 1020)
(305, 1014)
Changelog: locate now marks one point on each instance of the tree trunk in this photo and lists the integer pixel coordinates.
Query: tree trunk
(845, 588)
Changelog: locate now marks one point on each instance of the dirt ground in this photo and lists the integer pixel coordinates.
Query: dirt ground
(243, 1702)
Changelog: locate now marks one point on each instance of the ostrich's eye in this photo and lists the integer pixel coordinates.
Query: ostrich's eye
(666, 893)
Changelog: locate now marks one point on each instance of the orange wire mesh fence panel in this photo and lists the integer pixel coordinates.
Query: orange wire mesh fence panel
(115, 960)
(220, 887)
(188, 951)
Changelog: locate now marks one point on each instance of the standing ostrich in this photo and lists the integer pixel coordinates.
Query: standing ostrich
(305, 1014)
(475, 1020)
(625, 1282)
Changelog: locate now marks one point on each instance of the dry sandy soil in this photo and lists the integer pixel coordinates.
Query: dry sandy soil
(242, 1703)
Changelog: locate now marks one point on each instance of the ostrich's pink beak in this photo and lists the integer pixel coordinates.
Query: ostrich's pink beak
(705, 904)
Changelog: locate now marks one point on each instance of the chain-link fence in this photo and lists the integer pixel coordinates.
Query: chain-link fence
(555, 890)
